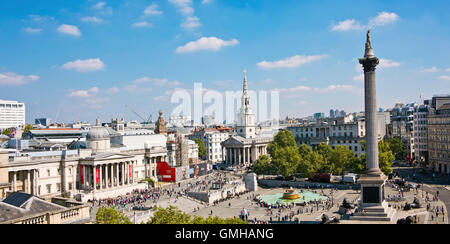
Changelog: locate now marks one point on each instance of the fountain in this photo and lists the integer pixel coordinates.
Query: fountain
(291, 194)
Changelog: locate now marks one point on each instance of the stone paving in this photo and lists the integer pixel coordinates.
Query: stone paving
(233, 207)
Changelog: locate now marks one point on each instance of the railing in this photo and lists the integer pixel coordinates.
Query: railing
(66, 216)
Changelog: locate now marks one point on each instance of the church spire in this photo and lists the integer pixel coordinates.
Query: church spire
(245, 83)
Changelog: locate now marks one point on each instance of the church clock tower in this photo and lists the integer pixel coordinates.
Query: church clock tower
(246, 119)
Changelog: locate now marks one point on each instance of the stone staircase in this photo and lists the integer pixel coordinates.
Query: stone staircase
(378, 214)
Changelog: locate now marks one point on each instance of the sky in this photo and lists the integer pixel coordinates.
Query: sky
(79, 60)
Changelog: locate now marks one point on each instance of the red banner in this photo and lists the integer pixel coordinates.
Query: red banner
(130, 170)
(97, 175)
(81, 174)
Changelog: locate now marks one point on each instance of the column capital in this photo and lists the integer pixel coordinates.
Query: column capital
(369, 63)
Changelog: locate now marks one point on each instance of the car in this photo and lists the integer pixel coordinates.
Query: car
(325, 178)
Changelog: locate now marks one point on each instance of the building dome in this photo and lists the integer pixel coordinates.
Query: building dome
(97, 133)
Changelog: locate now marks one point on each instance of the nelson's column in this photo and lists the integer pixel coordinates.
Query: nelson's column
(373, 180)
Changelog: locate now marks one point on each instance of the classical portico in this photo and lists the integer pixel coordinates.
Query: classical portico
(103, 172)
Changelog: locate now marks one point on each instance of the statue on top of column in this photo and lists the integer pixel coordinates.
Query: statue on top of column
(368, 43)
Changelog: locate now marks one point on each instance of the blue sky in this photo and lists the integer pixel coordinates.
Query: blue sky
(89, 58)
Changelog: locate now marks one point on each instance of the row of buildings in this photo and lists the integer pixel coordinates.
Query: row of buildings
(423, 128)
(110, 159)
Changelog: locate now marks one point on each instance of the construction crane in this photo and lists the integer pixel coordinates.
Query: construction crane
(144, 121)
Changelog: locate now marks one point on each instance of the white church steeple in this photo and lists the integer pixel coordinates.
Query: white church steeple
(246, 119)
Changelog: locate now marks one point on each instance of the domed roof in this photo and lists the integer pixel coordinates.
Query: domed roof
(97, 133)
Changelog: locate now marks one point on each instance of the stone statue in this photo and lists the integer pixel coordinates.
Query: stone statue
(368, 43)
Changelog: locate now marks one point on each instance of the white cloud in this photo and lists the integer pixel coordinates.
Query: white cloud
(69, 30)
(101, 8)
(359, 77)
(339, 88)
(13, 79)
(206, 43)
(206, 1)
(291, 62)
(155, 81)
(347, 25)
(113, 90)
(32, 30)
(135, 88)
(160, 98)
(383, 18)
(99, 5)
(141, 24)
(430, 70)
(87, 65)
(448, 70)
(387, 63)
(444, 77)
(186, 9)
(191, 23)
(38, 18)
(92, 19)
(175, 83)
(184, 6)
(294, 89)
(152, 10)
(85, 93)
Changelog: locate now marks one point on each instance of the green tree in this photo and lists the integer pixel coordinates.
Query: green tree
(397, 147)
(111, 216)
(6, 132)
(385, 159)
(27, 128)
(170, 215)
(201, 148)
(342, 158)
(262, 166)
(284, 153)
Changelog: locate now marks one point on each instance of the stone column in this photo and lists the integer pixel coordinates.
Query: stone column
(101, 177)
(34, 183)
(94, 180)
(14, 181)
(369, 63)
(28, 182)
(123, 173)
(117, 174)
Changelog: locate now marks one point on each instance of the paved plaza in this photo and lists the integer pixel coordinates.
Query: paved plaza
(307, 214)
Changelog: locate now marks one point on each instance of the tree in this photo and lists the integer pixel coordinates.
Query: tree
(284, 153)
(342, 158)
(6, 132)
(111, 216)
(397, 146)
(262, 165)
(172, 215)
(201, 148)
(27, 128)
(385, 159)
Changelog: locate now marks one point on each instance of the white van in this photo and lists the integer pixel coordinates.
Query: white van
(349, 179)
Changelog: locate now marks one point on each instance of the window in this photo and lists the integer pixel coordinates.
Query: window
(48, 172)
(49, 188)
